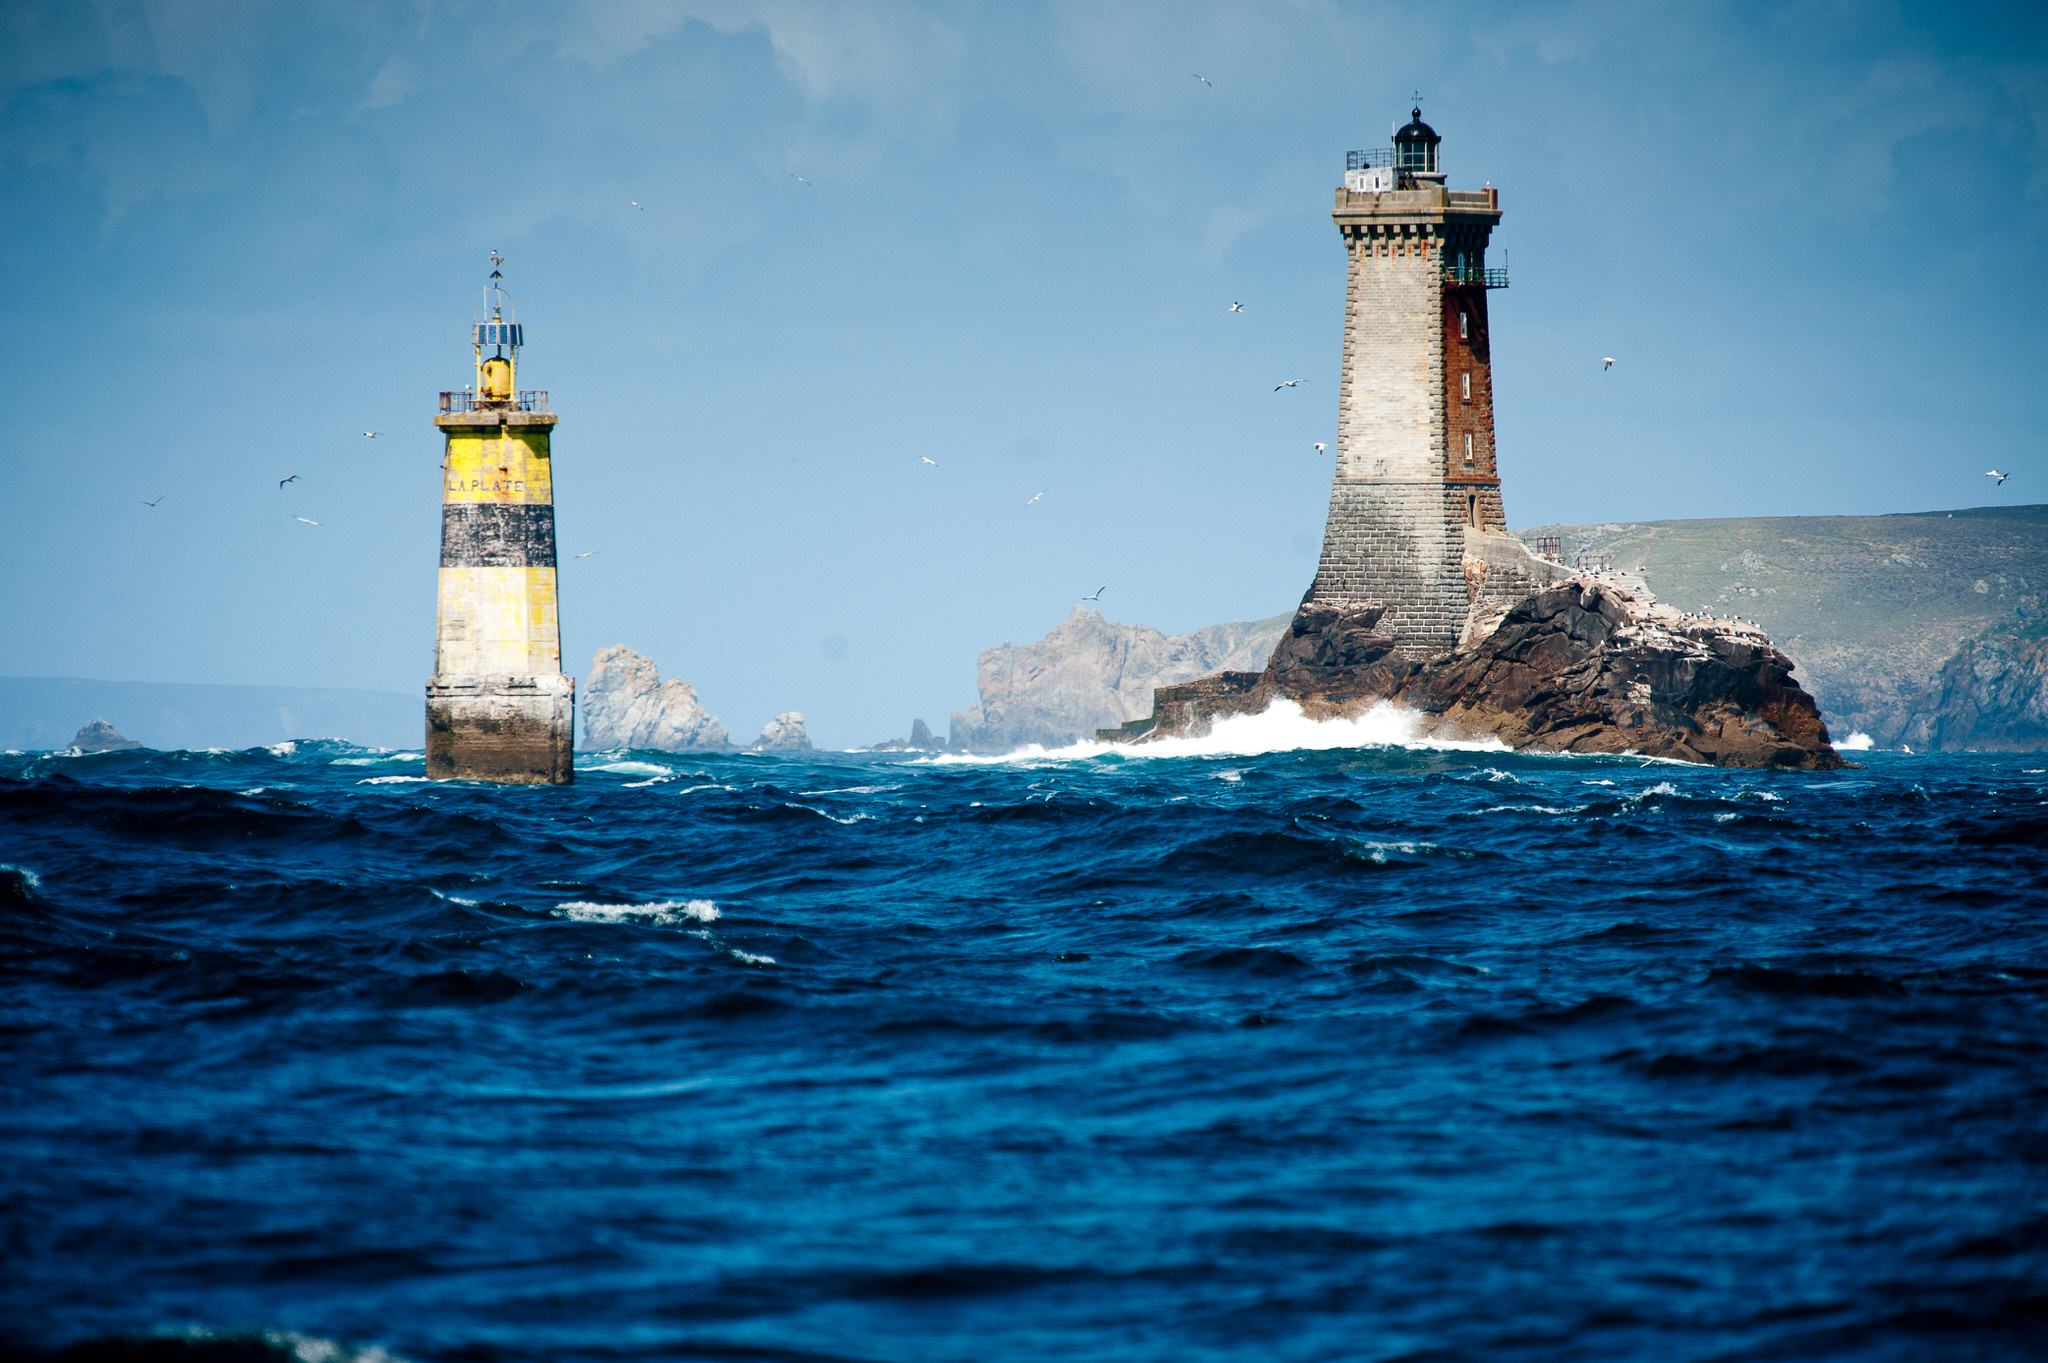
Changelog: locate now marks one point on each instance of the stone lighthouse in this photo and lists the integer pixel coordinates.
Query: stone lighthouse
(498, 706)
(1415, 449)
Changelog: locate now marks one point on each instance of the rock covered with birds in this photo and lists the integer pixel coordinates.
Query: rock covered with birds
(1590, 664)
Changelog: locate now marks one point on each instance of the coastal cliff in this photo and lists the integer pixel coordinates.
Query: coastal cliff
(1576, 663)
(1992, 694)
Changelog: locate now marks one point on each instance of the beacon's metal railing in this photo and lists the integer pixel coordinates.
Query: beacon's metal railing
(528, 400)
(1475, 274)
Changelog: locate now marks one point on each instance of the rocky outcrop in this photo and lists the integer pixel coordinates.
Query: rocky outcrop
(1089, 673)
(1991, 695)
(100, 736)
(1586, 664)
(921, 740)
(1872, 608)
(784, 733)
(626, 704)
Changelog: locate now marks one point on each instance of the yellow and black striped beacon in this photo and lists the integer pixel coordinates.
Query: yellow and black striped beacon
(498, 706)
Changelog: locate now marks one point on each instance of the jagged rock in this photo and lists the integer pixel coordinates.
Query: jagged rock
(1589, 664)
(784, 733)
(920, 740)
(100, 736)
(627, 705)
(1090, 672)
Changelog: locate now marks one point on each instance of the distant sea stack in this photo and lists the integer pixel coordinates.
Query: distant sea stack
(1421, 597)
(100, 736)
(626, 704)
(1089, 673)
(784, 733)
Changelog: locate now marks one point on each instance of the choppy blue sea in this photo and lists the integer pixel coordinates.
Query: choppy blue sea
(1382, 1053)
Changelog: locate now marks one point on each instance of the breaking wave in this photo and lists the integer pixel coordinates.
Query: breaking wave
(1281, 727)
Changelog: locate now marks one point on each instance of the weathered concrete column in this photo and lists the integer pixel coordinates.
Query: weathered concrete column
(498, 705)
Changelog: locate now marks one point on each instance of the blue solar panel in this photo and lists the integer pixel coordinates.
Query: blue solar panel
(500, 333)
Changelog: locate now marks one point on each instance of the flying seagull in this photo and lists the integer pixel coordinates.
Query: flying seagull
(151, 503)
(1291, 383)
(1205, 81)
(637, 204)
(594, 551)
(1237, 307)
(1098, 594)
(1994, 473)
(1041, 492)
(1321, 447)
(933, 462)
(282, 481)
(371, 435)
(302, 518)
(1606, 363)
(799, 179)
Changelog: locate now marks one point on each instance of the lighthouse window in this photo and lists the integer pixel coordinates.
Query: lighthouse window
(1465, 385)
(1468, 447)
(1464, 326)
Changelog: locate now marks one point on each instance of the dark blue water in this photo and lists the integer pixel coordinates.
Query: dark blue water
(1373, 1054)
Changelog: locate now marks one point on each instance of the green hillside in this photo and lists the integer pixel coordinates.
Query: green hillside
(1868, 607)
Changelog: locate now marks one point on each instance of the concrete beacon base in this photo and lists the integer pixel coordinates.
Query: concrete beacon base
(517, 730)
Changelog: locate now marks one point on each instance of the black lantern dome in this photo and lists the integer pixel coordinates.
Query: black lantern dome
(1415, 146)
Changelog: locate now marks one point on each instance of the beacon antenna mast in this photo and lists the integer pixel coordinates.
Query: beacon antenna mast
(496, 373)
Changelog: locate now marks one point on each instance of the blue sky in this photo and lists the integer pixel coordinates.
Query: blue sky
(233, 236)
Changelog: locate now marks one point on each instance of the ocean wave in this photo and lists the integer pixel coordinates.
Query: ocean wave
(662, 913)
(1857, 741)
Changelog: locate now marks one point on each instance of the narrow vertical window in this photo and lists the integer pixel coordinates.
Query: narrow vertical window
(1472, 510)
(1464, 326)
(1465, 385)
(1468, 447)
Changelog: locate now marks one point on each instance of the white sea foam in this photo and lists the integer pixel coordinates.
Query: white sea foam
(664, 913)
(750, 958)
(633, 768)
(284, 749)
(382, 755)
(28, 877)
(308, 1348)
(1281, 727)
(391, 780)
(1857, 741)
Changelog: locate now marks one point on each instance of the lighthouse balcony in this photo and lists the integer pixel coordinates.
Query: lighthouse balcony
(1476, 274)
(527, 400)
